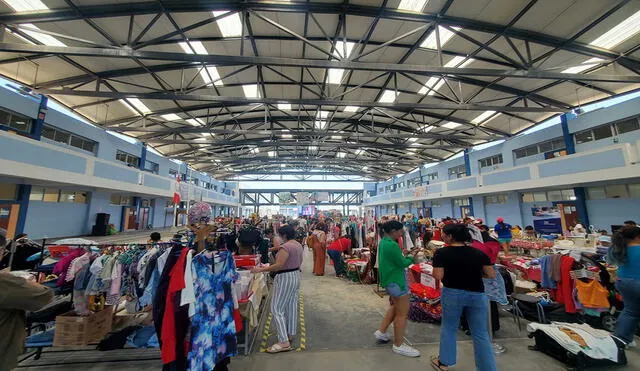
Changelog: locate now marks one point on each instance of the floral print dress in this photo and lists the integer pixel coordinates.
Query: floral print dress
(213, 330)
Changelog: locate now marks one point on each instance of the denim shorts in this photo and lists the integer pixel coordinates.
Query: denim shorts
(394, 290)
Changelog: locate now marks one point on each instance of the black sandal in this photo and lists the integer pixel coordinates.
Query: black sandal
(437, 365)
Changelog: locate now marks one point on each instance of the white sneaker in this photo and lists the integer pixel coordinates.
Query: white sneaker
(632, 344)
(406, 351)
(381, 336)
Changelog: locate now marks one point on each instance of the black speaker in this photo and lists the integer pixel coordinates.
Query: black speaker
(102, 219)
(100, 230)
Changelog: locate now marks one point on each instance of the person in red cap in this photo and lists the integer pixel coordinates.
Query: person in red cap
(503, 230)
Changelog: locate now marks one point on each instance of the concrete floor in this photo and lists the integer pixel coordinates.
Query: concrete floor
(340, 318)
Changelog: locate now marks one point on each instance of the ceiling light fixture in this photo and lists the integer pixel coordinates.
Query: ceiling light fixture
(272, 153)
(341, 154)
(320, 124)
(388, 96)
(343, 49)
(284, 106)
(287, 136)
(621, 32)
(190, 46)
(230, 25)
(336, 137)
(351, 109)
(210, 74)
(313, 148)
(412, 5)
(431, 42)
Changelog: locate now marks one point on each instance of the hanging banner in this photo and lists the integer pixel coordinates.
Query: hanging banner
(420, 192)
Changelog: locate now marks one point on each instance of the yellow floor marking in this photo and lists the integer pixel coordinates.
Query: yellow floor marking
(265, 334)
(303, 327)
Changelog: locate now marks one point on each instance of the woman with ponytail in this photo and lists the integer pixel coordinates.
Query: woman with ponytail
(461, 269)
(625, 252)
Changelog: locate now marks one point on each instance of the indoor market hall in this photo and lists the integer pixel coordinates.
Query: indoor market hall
(358, 185)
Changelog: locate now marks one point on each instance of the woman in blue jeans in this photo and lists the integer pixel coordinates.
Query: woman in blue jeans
(625, 252)
(461, 268)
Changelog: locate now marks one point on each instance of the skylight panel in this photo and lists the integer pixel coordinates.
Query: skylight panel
(621, 32)
(320, 124)
(451, 125)
(426, 128)
(351, 109)
(589, 63)
(196, 45)
(230, 25)
(341, 154)
(251, 91)
(334, 76)
(41, 37)
(137, 103)
(431, 41)
(255, 150)
(195, 122)
(412, 5)
(287, 136)
(272, 154)
(284, 106)
(171, 117)
(342, 48)
(435, 83)
(336, 137)
(484, 116)
(210, 74)
(359, 151)
(388, 96)
(26, 5)
(322, 114)
(313, 148)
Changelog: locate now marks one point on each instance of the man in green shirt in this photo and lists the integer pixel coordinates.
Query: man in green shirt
(392, 265)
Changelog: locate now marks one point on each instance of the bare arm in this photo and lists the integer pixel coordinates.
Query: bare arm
(281, 260)
(438, 273)
(488, 271)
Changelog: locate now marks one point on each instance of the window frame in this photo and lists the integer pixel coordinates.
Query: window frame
(127, 158)
(83, 141)
(9, 124)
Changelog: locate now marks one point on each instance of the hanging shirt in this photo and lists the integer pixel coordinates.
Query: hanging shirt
(213, 330)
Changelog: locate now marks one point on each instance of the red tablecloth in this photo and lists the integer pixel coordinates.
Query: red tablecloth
(531, 273)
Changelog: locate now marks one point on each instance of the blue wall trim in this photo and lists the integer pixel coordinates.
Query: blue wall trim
(24, 191)
(107, 171)
(36, 133)
(464, 183)
(152, 181)
(507, 176)
(34, 154)
(566, 135)
(596, 161)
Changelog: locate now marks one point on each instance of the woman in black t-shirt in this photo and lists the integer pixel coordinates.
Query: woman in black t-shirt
(461, 268)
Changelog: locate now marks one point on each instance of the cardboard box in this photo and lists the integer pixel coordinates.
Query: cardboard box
(73, 330)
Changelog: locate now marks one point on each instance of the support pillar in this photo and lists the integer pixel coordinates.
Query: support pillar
(24, 191)
(143, 156)
(38, 123)
(580, 192)
(467, 171)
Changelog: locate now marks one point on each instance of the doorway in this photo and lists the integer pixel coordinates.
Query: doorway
(9, 218)
(568, 214)
(144, 217)
(465, 211)
(129, 220)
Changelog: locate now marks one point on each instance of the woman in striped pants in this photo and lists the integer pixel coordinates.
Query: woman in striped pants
(284, 304)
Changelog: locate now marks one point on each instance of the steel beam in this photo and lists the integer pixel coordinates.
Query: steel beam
(396, 106)
(227, 60)
(127, 9)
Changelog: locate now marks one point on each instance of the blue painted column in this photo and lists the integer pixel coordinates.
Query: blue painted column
(580, 192)
(38, 123)
(467, 171)
(24, 191)
(143, 156)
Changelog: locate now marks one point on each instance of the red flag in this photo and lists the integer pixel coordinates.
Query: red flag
(176, 194)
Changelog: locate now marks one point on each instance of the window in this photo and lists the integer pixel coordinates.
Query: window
(414, 182)
(51, 195)
(597, 133)
(627, 126)
(464, 201)
(121, 200)
(15, 121)
(66, 196)
(151, 167)
(387, 188)
(554, 195)
(432, 176)
(128, 158)
(568, 194)
(8, 191)
(491, 162)
(173, 173)
(37, 193)
(435, 203)
(543, 147)
(400, 185)
(616, 191)
(496, 199)
(596, 193)
(65, 137)
(602, 132)
(634, 190)
(82, 197)
(457, 172)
